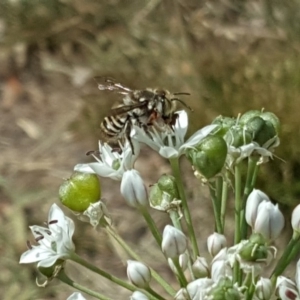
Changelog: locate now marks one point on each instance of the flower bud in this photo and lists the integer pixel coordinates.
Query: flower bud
(174, 242)
(269, 221)
(225, 123)
(182, 294)
(209, 156)
(263, 289)
(137, 295)
(183, 262)
(200, 268)
(133, 189)
(138, 273)
(215, 243)
(79, 191)
(254, 199)
(262, 130)
(296, 219)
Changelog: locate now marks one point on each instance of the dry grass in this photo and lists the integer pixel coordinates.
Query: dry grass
(232, 56)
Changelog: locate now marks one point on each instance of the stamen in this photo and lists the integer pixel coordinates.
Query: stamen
(39, 238)
(28, 245)
(53, 222)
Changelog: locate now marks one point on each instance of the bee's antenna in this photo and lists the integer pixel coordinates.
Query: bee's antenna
(182, 93)
(177, 99)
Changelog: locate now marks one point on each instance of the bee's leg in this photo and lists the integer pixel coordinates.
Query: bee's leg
(173, 120)
(127, 135)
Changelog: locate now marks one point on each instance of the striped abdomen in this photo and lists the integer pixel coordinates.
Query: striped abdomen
(112, 126)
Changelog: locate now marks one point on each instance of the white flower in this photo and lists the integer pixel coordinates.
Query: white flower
(111, 163)
(76, 296)
(55, 242)
(171, 144)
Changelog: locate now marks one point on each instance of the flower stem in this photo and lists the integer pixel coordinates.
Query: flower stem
(250, 183)
(238, 207)
(111, 231)
(180, 274)
(237, 203)
(177, 174)
(62, 276)
(291, 250)
(76, 258)
(152, 292)
(224, 201)
(216, 208)
(175, 219)
(151, 224)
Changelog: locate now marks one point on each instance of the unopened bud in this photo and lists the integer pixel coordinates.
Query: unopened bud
(174, 242)
(138, 273)
(263, 289)
(200, 268)
(133, 189)
(137, 295)
(183, 262)
(215, 243)
(255, 198)
(269, 221)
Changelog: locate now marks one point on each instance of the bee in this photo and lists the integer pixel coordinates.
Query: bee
(143, 108)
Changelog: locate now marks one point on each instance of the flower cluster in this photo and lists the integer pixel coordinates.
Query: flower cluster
(219, 154)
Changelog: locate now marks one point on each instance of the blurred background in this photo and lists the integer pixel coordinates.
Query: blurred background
(231, 55)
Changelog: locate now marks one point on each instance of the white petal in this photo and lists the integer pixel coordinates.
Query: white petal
(35, 254)
(198, 136)
(168, 152)
(50, 261)
(181, 125)
(76, 296)
(56, 214)
(84, 168)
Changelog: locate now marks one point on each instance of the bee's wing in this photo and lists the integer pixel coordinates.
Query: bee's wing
(106, 83)
(122, 109)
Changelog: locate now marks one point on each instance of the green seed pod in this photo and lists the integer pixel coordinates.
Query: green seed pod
(167, 183)
(79, 191)
(163, 193)
(268, 116)
(225, 123)
(262, 130)
(252, 252)
(237, 136)
(209, 156)
(225, 291)
(249, 115)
